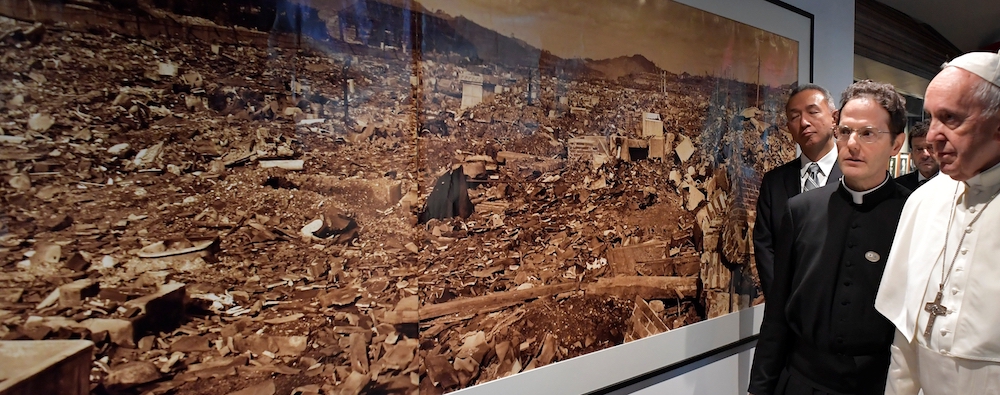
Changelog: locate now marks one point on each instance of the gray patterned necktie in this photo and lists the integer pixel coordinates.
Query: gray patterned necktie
(812, 178)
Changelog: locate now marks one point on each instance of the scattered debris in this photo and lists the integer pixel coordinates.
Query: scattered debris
(157, 202)
(450, 197)
(131, 374)
(283, 164)
(161, 249)
(40, 122)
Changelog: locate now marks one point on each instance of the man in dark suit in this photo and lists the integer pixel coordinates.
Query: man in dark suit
(922, 155)
(810, 115)
(821, 333)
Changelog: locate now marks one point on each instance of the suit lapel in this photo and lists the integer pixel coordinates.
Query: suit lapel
(792, 180)
(835, 174)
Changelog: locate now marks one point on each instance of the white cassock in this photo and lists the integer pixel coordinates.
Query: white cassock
(962, 354)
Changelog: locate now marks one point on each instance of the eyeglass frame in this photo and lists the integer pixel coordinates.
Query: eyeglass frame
(838, 136)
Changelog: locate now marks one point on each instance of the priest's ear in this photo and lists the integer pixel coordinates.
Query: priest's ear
(836, 117)
(897, 143)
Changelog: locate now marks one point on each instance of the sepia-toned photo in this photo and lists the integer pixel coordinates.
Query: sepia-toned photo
(376, 196)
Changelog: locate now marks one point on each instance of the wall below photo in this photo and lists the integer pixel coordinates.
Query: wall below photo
(678, 361)
(714, 378)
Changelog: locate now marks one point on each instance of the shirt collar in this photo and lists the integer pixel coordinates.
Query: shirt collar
(987, 179)
(825, 163)
(920, 176)
(859, 197)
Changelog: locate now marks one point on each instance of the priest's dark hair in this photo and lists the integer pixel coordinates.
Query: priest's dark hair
(883, 94)
(918, 130)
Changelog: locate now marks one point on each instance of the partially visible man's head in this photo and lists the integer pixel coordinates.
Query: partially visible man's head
(922, 152)
(964, 103)
(810, 116)
(869, 132)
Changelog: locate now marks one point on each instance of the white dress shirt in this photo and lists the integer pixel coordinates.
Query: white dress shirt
(825, 167)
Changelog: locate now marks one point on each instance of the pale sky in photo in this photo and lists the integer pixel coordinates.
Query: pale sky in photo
(676, 37)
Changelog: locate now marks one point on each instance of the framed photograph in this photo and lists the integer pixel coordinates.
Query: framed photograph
(424, 195)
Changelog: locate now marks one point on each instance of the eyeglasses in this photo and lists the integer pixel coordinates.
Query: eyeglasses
(866, 134)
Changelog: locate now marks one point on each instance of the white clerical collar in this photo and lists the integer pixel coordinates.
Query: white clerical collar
(825, 163)
(986, 179)
(859, 197)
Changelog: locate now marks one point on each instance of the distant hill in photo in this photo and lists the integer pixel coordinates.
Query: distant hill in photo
(623, 65)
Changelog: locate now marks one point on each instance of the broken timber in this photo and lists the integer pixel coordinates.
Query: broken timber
(646, 287)
(45, 367)
(492, 301)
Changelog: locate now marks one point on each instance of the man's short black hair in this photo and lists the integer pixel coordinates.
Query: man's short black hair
(827, 97)
(883, 94)
(918, 130)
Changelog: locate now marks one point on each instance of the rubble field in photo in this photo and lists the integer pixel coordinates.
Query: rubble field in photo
(207, 214)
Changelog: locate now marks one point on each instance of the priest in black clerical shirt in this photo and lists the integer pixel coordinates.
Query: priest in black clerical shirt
(821, 333)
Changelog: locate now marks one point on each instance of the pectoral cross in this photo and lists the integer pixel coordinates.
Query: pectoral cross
(934, 309)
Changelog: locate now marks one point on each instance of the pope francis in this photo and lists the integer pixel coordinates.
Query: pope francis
(941, 285)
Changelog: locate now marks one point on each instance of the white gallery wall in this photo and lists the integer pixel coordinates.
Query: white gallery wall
(834, 41)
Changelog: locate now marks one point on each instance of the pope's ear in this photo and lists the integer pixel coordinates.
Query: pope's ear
(836, 117)
(996, 133)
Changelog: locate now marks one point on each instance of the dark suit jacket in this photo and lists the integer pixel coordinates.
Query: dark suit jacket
(778, 185)
(820, 319)
(910, 180)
